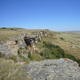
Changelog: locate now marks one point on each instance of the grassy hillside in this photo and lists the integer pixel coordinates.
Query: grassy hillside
(7, 33)
(69, 41)
(56, 45)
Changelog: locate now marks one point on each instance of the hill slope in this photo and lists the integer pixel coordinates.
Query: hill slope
(21, 48)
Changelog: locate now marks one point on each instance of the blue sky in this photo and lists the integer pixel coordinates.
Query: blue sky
(59, 15)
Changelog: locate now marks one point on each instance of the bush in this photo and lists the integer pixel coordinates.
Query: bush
(51, 51)
(3, 28)
(72, 58)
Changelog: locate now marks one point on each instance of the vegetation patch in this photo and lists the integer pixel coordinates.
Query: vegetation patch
(52, 51)
(12, 71)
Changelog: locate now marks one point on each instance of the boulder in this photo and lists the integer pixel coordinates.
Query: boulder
(59, 69)
(8, 49)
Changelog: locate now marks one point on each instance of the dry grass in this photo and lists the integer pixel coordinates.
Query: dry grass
(71, 42)
(12, 71)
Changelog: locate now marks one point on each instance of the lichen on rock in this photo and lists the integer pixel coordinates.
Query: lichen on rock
(59, 69)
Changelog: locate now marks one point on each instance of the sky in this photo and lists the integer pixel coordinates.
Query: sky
(57, 15)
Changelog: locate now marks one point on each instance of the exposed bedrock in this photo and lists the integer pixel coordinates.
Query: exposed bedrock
(60, 69)
(11, 47)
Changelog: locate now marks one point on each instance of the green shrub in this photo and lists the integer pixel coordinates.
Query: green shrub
(51, 51)
(72, 58)
(3, 28)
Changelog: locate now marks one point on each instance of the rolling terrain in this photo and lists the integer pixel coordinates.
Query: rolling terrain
(69, 41)
(45, 48)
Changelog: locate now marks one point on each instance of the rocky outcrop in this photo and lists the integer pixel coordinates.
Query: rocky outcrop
(34, 37)
(8, 49)
(19, 44)
(60, 69)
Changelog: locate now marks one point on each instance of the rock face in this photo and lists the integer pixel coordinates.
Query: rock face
(11, 47)
(8, 49)
(61, 69)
